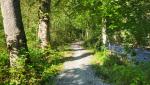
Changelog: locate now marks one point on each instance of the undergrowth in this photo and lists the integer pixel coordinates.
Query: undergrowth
(43, 68)
(4, 68)
(116, 71)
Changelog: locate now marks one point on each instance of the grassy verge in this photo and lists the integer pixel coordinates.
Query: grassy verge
(118, 71)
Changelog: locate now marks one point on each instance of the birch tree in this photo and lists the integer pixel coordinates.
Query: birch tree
(43, 32)
(104, 34)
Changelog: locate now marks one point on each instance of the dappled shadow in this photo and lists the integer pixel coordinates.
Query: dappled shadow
(79, 49)
(71, 58)
(78, 76)
(81, 56)
(78, 73)
(78, 70)
(76, 44)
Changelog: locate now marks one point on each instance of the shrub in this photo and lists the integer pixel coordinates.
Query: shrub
(120, 72)
(44, 66)
(4, 70)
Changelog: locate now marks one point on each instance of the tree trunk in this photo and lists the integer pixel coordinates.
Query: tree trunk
(104, 34)
(13, 27)
(14, 31)
(87, 33)
(44, 32)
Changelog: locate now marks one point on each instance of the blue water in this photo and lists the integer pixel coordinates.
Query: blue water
(141, 54)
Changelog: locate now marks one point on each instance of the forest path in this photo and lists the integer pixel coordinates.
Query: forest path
(77, 70)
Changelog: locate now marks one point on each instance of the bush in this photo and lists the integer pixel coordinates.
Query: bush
(44, 66)
(42, 69)
(119, 72)
(4, 70)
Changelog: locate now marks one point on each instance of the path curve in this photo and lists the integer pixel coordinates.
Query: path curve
(78, 71)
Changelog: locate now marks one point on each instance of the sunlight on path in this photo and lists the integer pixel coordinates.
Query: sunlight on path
(77, 71)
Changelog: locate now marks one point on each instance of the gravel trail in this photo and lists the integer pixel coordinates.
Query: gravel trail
(77, 70)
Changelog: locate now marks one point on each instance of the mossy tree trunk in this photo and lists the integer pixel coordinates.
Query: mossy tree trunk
(44, 23)
(15, 36)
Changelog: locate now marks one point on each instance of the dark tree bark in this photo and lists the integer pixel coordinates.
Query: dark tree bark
(44, 23)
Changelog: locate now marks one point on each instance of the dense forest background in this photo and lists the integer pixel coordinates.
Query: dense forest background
(96, 22)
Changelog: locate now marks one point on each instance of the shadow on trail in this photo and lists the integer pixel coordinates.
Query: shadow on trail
(82, 56)
(77, 69)
(78, 76)
(71, 58)
(60, 60)
(80, 49)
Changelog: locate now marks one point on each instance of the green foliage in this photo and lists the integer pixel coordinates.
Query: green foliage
(45, 65)
(122, 72)
(128, 23)
(4, 70)
(90, 43)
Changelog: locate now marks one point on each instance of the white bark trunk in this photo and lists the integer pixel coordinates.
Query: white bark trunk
(104, 34)
(43, 34)
(44, 25)
(87, 34)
